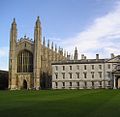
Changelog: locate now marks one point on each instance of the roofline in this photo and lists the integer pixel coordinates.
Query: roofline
(25, 40)
(82, 62)
(77, 62)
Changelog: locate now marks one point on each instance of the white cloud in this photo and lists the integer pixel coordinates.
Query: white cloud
(4, 53)
(103, 36)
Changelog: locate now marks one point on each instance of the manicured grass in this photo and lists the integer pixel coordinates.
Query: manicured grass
(60, 103)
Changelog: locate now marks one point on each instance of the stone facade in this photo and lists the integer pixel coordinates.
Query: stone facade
(30, 61)
(86, 73)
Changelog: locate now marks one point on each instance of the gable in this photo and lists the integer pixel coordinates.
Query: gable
(25, 45)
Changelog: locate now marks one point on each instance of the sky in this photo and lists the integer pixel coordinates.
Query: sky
(93, 26)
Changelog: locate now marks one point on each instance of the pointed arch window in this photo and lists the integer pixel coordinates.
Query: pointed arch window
(25, 61)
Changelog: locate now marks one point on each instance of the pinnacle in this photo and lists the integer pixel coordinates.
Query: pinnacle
(14, 22)
(38, 22)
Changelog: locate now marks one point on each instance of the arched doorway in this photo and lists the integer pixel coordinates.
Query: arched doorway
(24, 84)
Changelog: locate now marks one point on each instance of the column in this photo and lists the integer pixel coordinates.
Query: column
(114, 87)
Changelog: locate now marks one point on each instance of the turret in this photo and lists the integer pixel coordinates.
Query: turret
(37, 53)
(55, 52)
(59, 50)
(44, 41)
(13, 35)
(75, 54)
(44, 55)
(12, 60)
(55, 48)
(52, 46)
(64, 53)
(48, 45)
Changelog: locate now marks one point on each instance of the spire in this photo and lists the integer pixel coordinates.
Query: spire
(38, 23)
(14, 22)
(38, 31)
(62, 50)
(64, 53)
(43, 41)
(13, 33)
(25, 36)
(14, 25)
(59, 49)
(48, 45)
(75, 54)
(55, 47)
(52, 46)
(68, 56)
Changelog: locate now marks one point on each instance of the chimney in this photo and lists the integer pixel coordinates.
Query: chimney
(68, 57)
(85, 57)
(112, 55)
(82, 56)
(97, 56)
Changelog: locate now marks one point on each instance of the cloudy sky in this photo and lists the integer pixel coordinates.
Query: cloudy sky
(93, 26)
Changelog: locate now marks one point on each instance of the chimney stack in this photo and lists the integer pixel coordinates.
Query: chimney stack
(112, 55)
(85, 57)
(82, 56)
(68, 57)
(97, 56)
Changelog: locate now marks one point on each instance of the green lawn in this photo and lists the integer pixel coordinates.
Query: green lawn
(60, 103)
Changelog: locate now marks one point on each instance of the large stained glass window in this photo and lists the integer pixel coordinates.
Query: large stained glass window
(25, 61)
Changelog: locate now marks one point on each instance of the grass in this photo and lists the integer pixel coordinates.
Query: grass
(60, 103)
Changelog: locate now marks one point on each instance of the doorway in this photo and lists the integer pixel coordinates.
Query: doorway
(24, 84)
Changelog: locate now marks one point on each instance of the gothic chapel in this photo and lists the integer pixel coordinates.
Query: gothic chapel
(30, 61)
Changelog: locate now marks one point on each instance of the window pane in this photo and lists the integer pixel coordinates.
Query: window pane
(25, 61)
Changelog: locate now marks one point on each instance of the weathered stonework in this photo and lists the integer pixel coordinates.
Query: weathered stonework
(86, 73)
(30, 61)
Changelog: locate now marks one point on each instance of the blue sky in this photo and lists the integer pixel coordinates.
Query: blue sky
(91, 25)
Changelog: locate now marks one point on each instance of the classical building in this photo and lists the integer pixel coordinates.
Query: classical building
(30, 61)
(86, 73)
